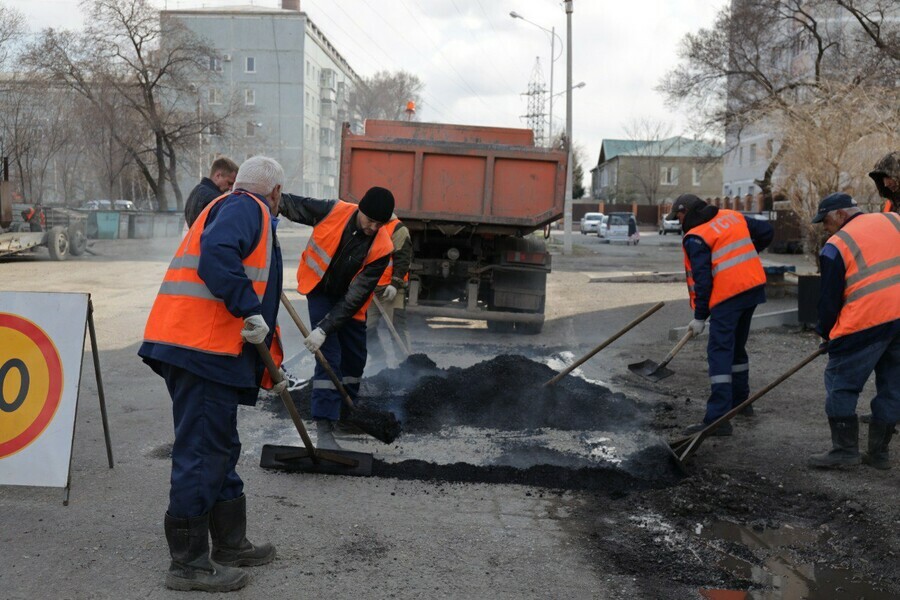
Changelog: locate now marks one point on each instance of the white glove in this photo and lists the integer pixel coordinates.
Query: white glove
(389, 293)
(255, 329)
(697, 326)
(315, 340)
(281, 385)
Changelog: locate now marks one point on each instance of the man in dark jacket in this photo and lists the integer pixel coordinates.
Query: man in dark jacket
(392, 295)
(726, 282)
(886, 176)
(219, 298)
(342, 264)
(220, 180)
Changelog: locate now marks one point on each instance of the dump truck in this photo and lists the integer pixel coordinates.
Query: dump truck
(476, 201)
(63, 237)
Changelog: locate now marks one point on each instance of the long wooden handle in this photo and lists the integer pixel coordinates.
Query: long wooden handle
(275, 374)
(606, 343)
(676, 349)
(319, 356)
(390, 326)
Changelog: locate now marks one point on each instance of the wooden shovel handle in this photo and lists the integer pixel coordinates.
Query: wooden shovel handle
(676, 349)
(606, 343)
(319, 356)
(390, 325)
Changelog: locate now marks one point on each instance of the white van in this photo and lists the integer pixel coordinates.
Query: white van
(622, 227)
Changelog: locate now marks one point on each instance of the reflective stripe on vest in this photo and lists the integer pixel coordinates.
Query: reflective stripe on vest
(186, 313)
(323, 244)
(870, 248)
(736, 267)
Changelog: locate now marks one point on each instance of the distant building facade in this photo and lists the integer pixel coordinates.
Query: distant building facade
(294, 87)
(655, 171)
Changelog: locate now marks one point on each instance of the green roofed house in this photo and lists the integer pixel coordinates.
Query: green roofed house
(656, 171)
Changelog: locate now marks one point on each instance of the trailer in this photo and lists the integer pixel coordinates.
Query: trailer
(476, 200)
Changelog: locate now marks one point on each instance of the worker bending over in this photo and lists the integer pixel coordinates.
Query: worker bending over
(886, 176)
(859, 316)
(219, 297)
(391, 291)
(726, 282)
(344, 260)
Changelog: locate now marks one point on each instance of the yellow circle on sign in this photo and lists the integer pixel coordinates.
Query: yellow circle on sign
(18, 349)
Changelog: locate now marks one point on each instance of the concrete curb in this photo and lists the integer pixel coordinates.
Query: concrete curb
(760, 321)
(636, 277)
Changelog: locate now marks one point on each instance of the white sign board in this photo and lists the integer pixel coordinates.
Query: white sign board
(41, 345)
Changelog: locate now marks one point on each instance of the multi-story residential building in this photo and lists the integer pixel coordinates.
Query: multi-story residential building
(656, 171)
(293, 85)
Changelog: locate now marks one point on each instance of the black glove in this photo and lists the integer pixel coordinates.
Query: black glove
(824, 345)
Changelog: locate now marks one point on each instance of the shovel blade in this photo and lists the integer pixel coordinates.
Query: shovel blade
(297, 459)
(650, 370)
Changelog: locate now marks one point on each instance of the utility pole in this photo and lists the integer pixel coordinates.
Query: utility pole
(567, 210)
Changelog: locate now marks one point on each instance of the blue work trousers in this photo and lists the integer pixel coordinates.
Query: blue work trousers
(729, 365)
(345, 351)
(207, 446)
(846, 375)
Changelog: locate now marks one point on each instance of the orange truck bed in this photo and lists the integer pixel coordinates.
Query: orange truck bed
(456, 173)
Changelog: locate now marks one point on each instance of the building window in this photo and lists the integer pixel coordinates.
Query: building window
(216, 128)
(697, 177)
(251, 129)
(669, 176)
(306, 127)
(307, 101)
(741, 156)
(215, 96)
(250, 66)
(249, 97)
(215, 64)
(752, 154)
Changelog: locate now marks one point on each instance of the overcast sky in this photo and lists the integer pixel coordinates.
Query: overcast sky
(476, 61)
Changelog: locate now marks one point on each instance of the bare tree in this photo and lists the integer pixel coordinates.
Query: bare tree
(131, 64)
(880, 22)
(768, 55)
(385, 94)
(643, 164)
(12, 28)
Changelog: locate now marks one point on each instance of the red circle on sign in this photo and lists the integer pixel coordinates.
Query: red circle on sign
(54, 392)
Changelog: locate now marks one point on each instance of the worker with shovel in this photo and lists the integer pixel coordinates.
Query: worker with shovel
(344, 260)
(391, 291)
(218, 298)
(859, 316)
(726, 282)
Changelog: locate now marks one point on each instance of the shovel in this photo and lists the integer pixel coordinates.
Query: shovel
(309, 458)
(381, 425)
(390, 326)
(684, 447)
(609, 341)
(657, 372)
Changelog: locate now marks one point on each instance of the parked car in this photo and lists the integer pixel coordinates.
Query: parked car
(669, 226)
(590, 222)
(622, 227)
(603, 228)
(97, 205)
(124, 205)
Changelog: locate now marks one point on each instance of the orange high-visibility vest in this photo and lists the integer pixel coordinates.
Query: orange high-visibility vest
(186, 314)
(888, 206)
(870, 247)
(736, 267)
(323, 244)
(390, 227)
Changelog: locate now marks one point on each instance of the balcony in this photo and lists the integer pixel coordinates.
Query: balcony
(327, 152)
(327, 80)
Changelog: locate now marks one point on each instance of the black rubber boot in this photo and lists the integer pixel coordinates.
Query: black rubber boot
(228, 528)
(191, 568)
(880, 435)
(844, 445)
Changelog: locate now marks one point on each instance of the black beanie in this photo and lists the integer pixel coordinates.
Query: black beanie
(377, 204)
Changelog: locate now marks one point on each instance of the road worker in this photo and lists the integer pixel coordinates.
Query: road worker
(391, 292)
(219, 297)
(344, 261)
(726, 283)
(886, 176)
(221, 179)
(859, 317)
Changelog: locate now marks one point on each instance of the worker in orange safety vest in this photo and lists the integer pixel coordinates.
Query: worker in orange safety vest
(859, 317)
(726, 283)
(886, 175)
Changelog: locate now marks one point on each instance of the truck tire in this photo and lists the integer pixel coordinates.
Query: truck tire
(58, 243)
(500, 326)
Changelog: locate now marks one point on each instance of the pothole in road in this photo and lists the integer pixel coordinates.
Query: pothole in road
(782, 573)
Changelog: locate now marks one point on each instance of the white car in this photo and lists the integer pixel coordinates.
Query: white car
(603, 228)
(669, 226)
(622, 227)
(590, 222)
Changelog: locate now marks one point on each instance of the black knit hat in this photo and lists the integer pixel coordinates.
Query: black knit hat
(684, 202)
(377, 204)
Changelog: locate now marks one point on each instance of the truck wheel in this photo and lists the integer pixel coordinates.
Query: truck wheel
(500, 326)
(77, 241)
(58, 243)
(529, 328)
